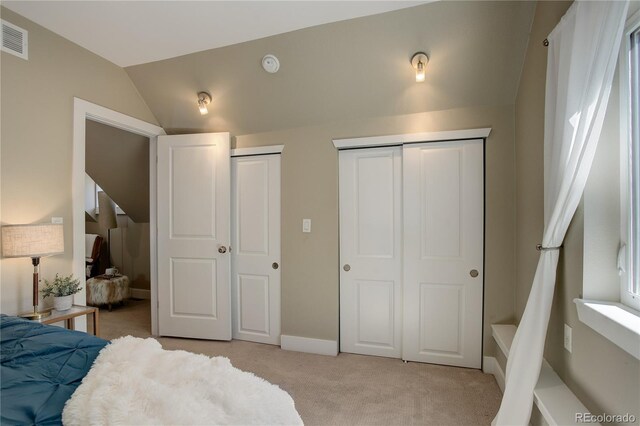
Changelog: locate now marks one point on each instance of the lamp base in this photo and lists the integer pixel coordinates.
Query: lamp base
(35, 316)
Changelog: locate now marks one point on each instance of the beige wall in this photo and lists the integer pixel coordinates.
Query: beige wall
(118, 161)
(133, 255)
(350, 79)
(310, 262)
(36, 139)
(350, 70)
(529, 134)
(130, 249)
(475, 69)
(603, 376)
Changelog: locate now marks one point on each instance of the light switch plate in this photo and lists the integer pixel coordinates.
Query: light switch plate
(306, 225)
(567, 337)
(56, 220)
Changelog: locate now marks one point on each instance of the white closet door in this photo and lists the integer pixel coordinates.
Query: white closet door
(193, 236)
(443, 252)
(255, 258)
(370, 251)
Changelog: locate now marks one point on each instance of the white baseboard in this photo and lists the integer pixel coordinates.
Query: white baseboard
(305, 344)
(490, 366)
(139, 293)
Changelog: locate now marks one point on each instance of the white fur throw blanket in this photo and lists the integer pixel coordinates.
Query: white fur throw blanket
(135, 382)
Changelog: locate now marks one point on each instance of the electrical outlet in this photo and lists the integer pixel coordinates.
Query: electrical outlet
(306, 225)
(567, 337)
(56, 220)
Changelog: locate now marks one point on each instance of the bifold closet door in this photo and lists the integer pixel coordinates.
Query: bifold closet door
(193, 236)
(255, 256)
(370, 251)
(443, 252)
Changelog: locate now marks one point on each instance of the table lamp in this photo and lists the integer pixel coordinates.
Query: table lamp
(34, 241)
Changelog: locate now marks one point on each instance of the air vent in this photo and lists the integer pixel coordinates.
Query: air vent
(15, 40)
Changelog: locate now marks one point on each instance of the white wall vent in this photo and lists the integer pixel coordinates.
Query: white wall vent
(15, 40)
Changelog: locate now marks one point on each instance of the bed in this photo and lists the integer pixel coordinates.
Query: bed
(50, 375)
(41, 367)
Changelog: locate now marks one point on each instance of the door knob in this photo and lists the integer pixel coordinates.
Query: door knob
(473, 273)
(275, 265)
(222, 249)
(346, 267)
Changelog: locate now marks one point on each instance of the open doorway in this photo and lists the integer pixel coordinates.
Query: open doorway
(86, 115)
(117, 229)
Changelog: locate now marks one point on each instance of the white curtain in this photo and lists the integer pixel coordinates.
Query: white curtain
(582, 56)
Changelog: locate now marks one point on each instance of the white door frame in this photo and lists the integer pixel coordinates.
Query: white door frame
(259, 150)
(411, 138)
(246, 264)
(372, 286)
(377, 141)
(82, 111)
(434, 262)
(194, 286)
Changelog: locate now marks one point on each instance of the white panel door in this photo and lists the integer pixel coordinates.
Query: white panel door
(193, 236)
(443, 252)
(370, 251)
(255, 239)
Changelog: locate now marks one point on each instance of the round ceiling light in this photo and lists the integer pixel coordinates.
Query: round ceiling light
(270, 63)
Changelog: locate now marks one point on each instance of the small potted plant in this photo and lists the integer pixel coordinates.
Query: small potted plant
(62, 289)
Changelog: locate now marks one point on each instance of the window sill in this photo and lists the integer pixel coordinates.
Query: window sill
(616, 322)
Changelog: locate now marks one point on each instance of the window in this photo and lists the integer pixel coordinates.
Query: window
(609, 308)
(97, 209)
(629, 261)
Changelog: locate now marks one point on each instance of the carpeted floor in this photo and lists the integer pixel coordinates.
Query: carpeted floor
(344, 390)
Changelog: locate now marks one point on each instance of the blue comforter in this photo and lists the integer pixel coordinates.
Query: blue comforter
(41, 367)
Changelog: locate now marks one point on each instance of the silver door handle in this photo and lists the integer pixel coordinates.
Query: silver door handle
(346, 267)
(222, 249)
(473, 273)
(275, 265)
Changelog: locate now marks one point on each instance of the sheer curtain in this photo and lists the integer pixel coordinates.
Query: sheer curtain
(583, 51)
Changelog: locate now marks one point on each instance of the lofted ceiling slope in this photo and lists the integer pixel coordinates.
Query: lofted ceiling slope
(347, 70)
(135, 32)
(118, 161)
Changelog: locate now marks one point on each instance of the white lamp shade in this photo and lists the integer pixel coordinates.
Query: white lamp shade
(35, 240)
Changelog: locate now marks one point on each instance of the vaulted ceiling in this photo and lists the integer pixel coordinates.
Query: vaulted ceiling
(341, 70)
(136, 32)
(118, 161)
(348, 70)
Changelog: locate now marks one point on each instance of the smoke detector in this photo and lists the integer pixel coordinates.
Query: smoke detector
(270, 63)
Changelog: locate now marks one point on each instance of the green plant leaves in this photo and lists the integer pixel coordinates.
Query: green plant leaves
(61, 286)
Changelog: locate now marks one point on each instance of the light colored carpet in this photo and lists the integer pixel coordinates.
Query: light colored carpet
(344, 390)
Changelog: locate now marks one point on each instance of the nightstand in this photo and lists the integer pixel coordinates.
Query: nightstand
(71, 314)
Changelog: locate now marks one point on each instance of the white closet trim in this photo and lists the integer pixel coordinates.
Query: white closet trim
(372, 141)
(259, 150)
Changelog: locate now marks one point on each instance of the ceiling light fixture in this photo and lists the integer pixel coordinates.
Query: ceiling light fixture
(204, 99)
(419, 61)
